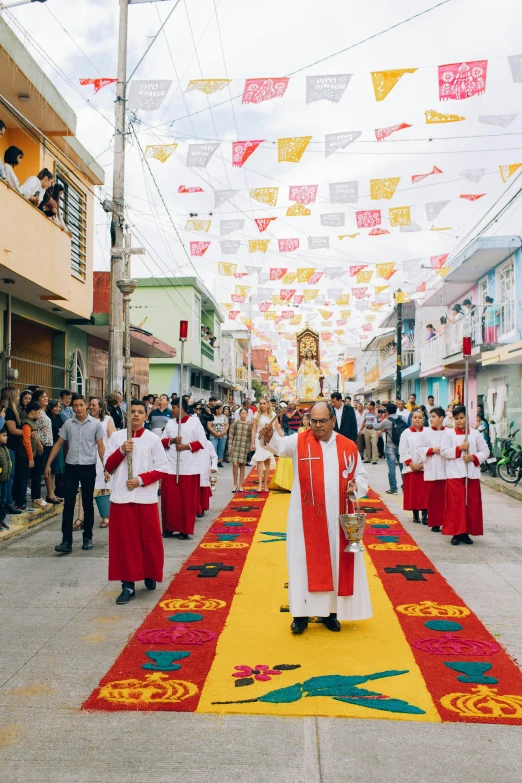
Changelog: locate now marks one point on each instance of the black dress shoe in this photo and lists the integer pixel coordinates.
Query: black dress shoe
(4, 525)
(150, 584)
(87, 544)
(465, 539)
(424, 517)
(332, 623)
(416, 517)
(125, 596)
(13, 510)
(200, 516)
(299, 625)
(167, 534)
(435, 529)
(182, 536)
(455, 540)
(65, 548)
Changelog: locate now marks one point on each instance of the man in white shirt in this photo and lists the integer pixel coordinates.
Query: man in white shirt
(246, 405)
(402, 410)
(431, 403)
(34, 187)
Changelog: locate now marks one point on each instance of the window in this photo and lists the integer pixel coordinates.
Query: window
(78, 373)
(506, 297)
(73, 210)
(135, 391)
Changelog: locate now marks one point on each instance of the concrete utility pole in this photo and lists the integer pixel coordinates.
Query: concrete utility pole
(249, 354)
(398, 389)
(115, 369)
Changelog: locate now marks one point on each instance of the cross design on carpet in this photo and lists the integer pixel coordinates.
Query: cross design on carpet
(277, 537)
(210, 569)
(410, 572)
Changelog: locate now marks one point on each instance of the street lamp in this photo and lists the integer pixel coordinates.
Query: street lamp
(19, 2)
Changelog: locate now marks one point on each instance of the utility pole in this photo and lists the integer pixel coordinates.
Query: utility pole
(398, 386)
(249, 360)
(115, 369)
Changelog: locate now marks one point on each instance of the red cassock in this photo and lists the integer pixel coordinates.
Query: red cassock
(462, 518)
(205, 493)
(135, 543)
(415, 494)
(179, 503)
(436, 502)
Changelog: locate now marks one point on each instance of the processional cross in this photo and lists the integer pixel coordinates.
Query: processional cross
(309, 459)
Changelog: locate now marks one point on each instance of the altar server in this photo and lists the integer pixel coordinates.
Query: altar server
(435, 470)
(412, 452)
(464, 454)
(208, 466)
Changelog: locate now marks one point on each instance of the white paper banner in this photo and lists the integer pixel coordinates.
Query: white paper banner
(220, 196)
(229, 246)
(334, 293)
(473, 175)
(411, 267)
(320, 299)
(332, 219)
(361, 305)
(227, 226)
(147, 95)
(198, 155)
(434, 208)
(253, 269)
(503, 120)
(327, 88)
(344, 192)
(316, 243)
(338, 141)
(334, 272)
(515, 63)
(411, 228)
(266, 293)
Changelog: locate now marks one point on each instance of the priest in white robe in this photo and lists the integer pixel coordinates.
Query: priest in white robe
(324, 581)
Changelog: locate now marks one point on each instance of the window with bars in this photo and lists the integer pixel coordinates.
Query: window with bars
(73, 209)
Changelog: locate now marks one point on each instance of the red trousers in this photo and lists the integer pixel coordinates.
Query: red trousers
(205, 494)
(135, 544)
(462, 518)
(179, 503)
(436, 502)
(415, 494)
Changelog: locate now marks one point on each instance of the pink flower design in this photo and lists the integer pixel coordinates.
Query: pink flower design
(259, 672)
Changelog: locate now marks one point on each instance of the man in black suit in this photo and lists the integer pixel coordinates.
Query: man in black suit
(346, 423)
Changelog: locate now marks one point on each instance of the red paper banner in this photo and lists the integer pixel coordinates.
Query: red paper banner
(438, 261)
(472, 196)
(237, 298)
(286, 293)
(367, 328)
(421, 288)
(368, 218)
(303, 194)
(298, 299)
(359, 293)
(287, 313)
(242, 150)
(288, 245)
(278, 320)
(383, 133)
(277, 273)
(263, 223)
(233, 314)
(315, 278)
(419, 177)
(264, 307)
(375, 232)
(239, 275)
(97, 83)
(259, 90)
(199, 248)
(462, 80)
(183, 189)
(355, 269)
(342, 322)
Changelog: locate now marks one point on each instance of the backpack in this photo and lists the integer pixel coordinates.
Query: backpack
(398, 427)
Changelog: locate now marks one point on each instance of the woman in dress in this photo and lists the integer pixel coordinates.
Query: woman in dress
(44, 445)
(98, 410)
(239, 447)
(227, 413)
(262, 456)
(218, 429)
(58, 465)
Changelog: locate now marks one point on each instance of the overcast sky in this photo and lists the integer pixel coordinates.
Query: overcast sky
(274, 38)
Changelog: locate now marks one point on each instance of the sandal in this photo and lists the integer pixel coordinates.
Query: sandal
(104, 522)
(54, 501)
(78, 525)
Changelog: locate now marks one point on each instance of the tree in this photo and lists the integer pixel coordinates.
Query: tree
(259, 388)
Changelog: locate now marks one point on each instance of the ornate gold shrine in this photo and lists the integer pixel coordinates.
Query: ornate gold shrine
(309, 376)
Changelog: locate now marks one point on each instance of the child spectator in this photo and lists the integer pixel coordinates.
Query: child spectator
(5, 474)
(26, 453)
(12, 157)
(34, 187)
(3, 175)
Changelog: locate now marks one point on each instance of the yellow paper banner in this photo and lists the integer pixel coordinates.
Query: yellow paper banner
(289, 277)
(345, 313)
(297, 210)
(385, 270)
(304, 274)
(433, 117)
(344, 299)
(208, 86)
(443, 228)
(197, 225)
(442, 272)
(290, 150)
(380, 288)
(350, 236)
(370, 318)
(243, 290)
(507, 171)
(226, 269)
(265, 195)
(325, 313)
(400, 216)
(401, 297)
(364, 276)
(296, 320)
(161, 152)
(385, 81)
(383, 188)
(310, 295)
(226, 306)
(255, 245)
(269, 316)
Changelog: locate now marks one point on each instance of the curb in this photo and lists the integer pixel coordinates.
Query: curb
(21, 522)
(501, 486)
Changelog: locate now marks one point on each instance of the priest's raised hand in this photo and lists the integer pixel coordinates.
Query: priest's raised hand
(266, 432)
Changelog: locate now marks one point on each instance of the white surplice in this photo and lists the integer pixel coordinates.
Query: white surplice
(302, 602)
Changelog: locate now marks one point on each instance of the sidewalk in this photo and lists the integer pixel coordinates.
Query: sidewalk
(499, 485)
(61, 632)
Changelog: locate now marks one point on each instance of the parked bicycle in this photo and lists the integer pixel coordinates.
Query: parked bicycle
(509, 466)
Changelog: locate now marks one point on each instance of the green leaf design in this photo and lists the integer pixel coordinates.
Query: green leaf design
(286, 667)
(242, 681)
(387, 705)
(284, 695)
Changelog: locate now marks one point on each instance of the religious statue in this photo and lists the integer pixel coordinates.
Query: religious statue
(308, 375)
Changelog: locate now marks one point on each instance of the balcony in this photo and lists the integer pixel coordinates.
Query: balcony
(207, 350)
(241, 373)
(487, 325)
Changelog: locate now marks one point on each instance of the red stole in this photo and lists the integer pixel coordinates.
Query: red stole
(315, 523)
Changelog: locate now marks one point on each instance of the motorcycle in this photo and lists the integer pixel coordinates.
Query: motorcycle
(509, 466)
